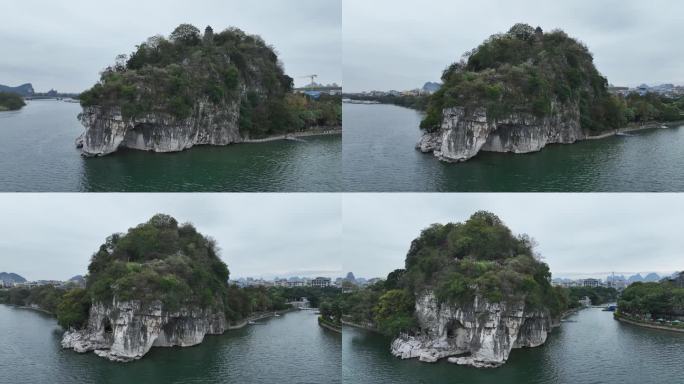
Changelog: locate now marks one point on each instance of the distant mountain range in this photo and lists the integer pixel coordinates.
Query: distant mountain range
(10, 278)
(431, 87)
(651, 277)
(22, 90)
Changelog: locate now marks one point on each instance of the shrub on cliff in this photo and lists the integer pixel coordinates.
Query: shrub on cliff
(73, 308)
(459, 261)
(170, 76)
(394, 311)
(159, 260)
(528, 71)
(479, 257)
(10, 102)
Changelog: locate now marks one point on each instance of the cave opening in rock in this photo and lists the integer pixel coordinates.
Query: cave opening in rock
(108, 326)
(454, 329)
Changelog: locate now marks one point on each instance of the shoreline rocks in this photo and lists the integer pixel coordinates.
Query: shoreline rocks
(481, 334)
(462, 135)
(127, 330)
(106, 130)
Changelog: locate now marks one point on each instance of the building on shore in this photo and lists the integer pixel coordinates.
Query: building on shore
(591, 283)
(302, 303)
(585, 302)
(321, 282)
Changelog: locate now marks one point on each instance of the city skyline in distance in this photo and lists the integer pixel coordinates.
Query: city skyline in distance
(258, 234)
(578, 235)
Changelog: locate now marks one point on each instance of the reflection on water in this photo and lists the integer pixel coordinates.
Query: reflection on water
(288, 349)
(379, 155)
(37, 153)
(593, 348)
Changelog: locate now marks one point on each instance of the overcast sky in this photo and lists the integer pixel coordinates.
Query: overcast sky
(65, 44)
(53, 236)
(401, 44)
(579, 235)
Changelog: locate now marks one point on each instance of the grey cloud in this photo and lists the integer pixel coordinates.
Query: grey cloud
(402, 44)
(64, 45)
(52, 236)
(577, 233)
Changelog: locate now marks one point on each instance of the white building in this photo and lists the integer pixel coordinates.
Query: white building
(321, 282)
(302, 303)
(591, 283)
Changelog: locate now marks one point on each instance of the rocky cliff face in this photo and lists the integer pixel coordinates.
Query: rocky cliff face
(106, 130)
(126, 330)
(462, 135)
(481, 334)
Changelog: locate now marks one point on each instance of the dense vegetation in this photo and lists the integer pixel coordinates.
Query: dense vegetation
(69, 303)
(305, 112)
(161, 260)
(652, 300)
(242, 302)
(528, 71)
(652, 107)
(598, 295)
(459, 261)
(171, 75)
(157, 260)
(10, 102)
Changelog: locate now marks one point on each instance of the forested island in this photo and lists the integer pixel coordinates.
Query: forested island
(469, 292)
(159, 284)
(192, 89)
(522, 90)
(657, 305)
(11, 102)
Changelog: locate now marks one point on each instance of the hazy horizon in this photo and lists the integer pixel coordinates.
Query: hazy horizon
(579, 235)
(65, 45)
(403, 44)
(53, 236)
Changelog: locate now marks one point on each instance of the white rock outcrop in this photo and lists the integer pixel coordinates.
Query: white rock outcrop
(462, 135)
(106, 130)
(481, 334)
(126, 330)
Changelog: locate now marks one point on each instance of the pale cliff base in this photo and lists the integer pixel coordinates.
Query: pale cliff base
(481, 334)
(462, 136)
(125, 331)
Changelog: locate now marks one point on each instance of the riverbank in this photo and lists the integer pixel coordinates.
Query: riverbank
(295, 135)
(367, 327)
(638, 323)
(31, 307)
(570, 312)
(258, 316)
(634, 128)
(329, 325)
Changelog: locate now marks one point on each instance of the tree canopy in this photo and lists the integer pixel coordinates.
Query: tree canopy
(159, 260)
(532, 72)
(661, 299)
(459, 261)
(10, 102)
(171, 75)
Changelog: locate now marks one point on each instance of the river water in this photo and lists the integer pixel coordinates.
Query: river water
(37, 153)
(292, 348)
(379, 155)
(589, 347)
